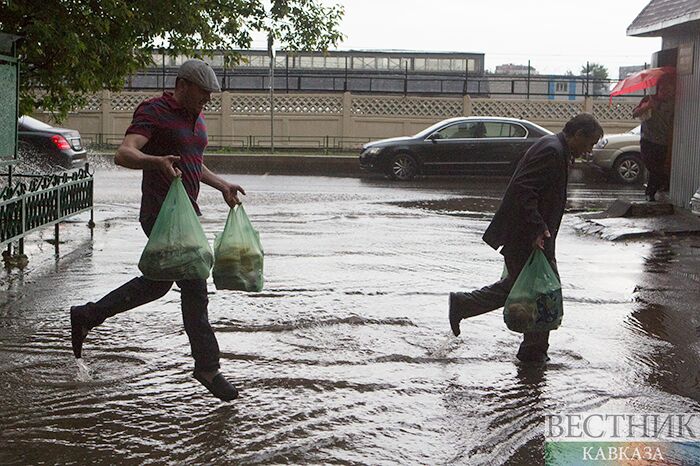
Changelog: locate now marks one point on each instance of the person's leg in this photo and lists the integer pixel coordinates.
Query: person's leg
(132, 294)
(205, 348)
(534, 346)
(477, 302)
(665, 182)
(464, 305)
(655, 178)
(653, 156)
(486, 299)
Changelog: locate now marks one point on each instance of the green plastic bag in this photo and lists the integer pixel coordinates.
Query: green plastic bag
(534, 304)
(177, 248)
(238, 253)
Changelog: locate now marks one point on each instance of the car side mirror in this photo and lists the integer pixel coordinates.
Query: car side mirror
(434, 137)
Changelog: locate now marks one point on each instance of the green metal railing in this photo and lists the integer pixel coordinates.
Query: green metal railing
(41, 201)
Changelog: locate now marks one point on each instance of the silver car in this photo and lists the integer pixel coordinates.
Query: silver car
(619, 155)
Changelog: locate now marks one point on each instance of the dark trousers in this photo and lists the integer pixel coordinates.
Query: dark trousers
(654, 157)
(492, 297)
(141, 290)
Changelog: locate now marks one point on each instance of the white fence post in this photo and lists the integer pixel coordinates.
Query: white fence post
(467, 109)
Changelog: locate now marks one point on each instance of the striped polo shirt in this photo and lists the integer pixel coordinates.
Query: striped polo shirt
(171, 130)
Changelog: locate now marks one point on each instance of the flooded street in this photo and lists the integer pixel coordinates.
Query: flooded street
(346, 356)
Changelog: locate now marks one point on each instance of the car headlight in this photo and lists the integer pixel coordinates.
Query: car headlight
(602, 143)
(373, 151)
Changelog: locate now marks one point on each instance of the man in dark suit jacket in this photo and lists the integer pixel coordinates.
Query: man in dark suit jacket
(529, 217)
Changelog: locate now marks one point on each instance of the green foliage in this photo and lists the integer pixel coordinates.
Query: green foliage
(595, 70)
(598, 74)
(73, 48)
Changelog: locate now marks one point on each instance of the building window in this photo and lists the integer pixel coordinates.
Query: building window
(305, 62)
(562, 87)
(257, 61)
(364, 63)
(335, 62)
(432, 64)
(396, 64)
(458, 64)
(216, 60)
(318, 61)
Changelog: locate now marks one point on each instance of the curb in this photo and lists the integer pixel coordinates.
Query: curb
(279, 164)
(680, 222)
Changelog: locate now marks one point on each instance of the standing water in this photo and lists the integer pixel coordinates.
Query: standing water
(345, 356)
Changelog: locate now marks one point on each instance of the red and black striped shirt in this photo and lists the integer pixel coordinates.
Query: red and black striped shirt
(171, 130)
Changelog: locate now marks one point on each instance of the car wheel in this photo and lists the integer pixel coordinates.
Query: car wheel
(629, 168)
(403, 167)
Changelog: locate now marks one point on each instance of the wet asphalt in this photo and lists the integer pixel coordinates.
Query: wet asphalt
(345, 357)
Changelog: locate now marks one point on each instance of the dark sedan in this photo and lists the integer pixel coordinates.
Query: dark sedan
(49, 147)
(466, 145)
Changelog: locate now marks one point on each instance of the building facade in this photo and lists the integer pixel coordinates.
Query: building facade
(374, 72)
(511, 68)
(677, 22)
(625, 71)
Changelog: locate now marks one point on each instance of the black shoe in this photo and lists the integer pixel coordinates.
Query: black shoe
(219, 386)
(535, 357)
(455, 315)
(78, 331)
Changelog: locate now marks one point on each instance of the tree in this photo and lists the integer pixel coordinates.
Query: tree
(598, 75)
(73, 48)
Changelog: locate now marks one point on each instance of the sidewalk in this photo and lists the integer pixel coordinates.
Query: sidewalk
(628, 220)
(279, 163)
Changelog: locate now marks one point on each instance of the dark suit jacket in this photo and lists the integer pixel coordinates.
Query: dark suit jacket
(534, 200)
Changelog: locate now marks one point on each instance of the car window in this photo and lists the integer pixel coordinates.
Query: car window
(28, 123)
(429, 130)
(504, 130)
(462, 130)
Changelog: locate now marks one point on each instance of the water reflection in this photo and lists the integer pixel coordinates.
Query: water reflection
(665, 316)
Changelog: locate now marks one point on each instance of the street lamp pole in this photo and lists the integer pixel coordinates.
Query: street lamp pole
(271, 53)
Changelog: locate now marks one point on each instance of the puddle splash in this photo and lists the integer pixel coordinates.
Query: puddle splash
(83, 374)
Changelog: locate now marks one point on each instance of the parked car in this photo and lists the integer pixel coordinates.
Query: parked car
(47, 146)
(464, 145)
(619, 155)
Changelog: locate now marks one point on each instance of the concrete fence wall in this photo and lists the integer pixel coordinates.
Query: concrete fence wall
(333, 121)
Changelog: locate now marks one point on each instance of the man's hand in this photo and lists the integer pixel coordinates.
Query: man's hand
(539, 241)
(230, 192)
(166, 165)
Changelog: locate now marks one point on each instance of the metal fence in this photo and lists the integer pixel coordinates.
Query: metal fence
(416, 83)
(43, 200)
(98, 142)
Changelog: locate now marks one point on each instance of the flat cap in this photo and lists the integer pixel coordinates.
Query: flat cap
(199, 73)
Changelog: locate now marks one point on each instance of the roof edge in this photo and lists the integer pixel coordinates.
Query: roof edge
(650, 29)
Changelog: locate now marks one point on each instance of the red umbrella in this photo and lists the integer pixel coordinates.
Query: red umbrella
(640, 80)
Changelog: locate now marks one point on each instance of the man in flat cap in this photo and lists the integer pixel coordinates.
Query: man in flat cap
(166, 139)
